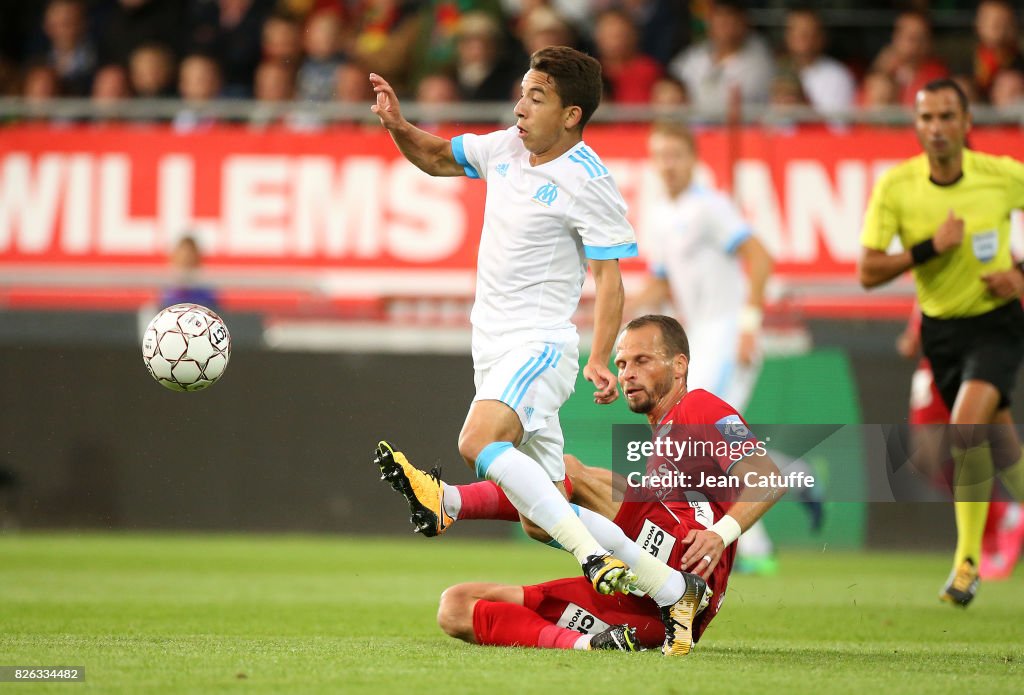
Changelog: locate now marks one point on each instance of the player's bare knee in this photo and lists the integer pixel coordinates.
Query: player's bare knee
(455, 612)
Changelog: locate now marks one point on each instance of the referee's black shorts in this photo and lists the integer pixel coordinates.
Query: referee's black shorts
(988, 347)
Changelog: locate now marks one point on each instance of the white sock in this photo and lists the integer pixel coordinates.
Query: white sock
(451, 500)
(536, 497)
(755, 542)
(583, 642)
(653, 577)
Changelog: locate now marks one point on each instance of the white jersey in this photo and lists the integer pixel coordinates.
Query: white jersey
(694, 241)
(541, 224)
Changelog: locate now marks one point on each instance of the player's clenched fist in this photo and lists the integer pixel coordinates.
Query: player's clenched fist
(949, 234)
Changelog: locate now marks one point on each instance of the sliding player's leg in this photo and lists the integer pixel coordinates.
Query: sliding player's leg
(499, 615)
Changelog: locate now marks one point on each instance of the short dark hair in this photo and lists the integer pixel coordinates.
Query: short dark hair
(671, 332)
(948, 83)
(577, 77)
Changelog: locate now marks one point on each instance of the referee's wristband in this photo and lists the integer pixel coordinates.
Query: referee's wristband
(923, 251)
(728, 528)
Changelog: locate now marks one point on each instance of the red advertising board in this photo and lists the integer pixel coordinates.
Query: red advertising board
(343, 207)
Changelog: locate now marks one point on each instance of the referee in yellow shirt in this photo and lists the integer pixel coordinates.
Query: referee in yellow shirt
(950, 208)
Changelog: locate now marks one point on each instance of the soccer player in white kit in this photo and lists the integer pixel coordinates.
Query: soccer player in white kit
(551, 209)
(699, 246)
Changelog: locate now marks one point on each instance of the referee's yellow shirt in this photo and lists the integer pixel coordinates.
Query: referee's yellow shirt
(907, 204)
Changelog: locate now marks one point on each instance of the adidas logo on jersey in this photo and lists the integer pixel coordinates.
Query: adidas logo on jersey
(502, 168)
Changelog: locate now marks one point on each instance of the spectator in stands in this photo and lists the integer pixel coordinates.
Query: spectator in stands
(385, 38)
(282, 40)
(484, 70)
(731, 58)
(151, 71)
(275, 82)
(41, 84)
(574, 12)
(186, 285)
(998, 43)
(829, 85)
(879, 91)
(109, 87)
(199, 81)
(438, 23)
(660, 24)
(274, 86)
(128, 24)
(628, 74)
(908, 58)
(71, 52)
(318, 77)
(199, 78)
(669, 93)
(434, 92)
(1007, 89)
(230, 31)
(437, 88)
(352, 86)
(542, 27)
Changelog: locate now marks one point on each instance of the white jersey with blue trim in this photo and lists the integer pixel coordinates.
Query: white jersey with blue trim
(694, 241)
(541, 224)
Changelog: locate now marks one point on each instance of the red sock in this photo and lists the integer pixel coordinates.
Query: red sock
(485, 500)
(511, 625)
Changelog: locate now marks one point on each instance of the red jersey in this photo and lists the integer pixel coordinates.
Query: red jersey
(658, 526)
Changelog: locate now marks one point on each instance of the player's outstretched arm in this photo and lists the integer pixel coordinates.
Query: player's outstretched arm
(706, 546)
(428, 152)
(608, 303)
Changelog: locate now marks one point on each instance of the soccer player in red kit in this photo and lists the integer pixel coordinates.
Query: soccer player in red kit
(699, 536)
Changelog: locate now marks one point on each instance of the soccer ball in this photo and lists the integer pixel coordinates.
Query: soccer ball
(186, 347)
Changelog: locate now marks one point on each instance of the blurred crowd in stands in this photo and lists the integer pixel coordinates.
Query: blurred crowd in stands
(702, 53)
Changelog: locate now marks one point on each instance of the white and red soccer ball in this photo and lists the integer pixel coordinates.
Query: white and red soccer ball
(186, 347)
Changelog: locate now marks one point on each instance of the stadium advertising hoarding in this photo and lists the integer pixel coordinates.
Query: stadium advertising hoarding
(343, 200)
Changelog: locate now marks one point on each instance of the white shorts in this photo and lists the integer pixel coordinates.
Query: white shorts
(534, 380)
(713, 363)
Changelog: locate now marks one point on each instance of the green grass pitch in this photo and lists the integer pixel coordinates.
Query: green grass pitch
(299, 614)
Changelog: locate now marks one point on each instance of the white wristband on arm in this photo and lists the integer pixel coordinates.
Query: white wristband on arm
(728, 528)
(751, 318)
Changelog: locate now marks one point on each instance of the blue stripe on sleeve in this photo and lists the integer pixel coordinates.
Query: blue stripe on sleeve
(459, 152)
(604, 253)
(738, 238)
(576, 157)
(589, 154)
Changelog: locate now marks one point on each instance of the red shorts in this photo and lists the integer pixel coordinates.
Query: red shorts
(573, 604)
